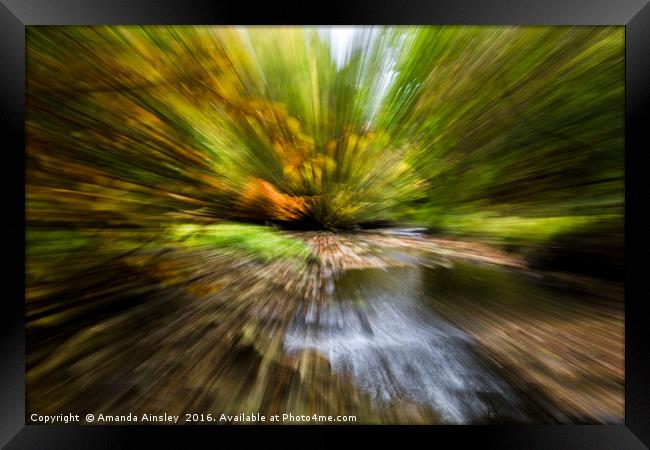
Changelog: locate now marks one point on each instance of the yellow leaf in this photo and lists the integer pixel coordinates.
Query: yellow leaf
(293, 124)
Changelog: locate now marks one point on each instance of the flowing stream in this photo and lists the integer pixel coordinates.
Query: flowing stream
(380, 328)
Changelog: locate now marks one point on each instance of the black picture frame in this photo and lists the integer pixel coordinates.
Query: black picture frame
(16, 14)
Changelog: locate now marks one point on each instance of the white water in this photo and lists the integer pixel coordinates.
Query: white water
(395, 347)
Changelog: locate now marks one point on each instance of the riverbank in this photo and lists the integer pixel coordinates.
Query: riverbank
(200, 329)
